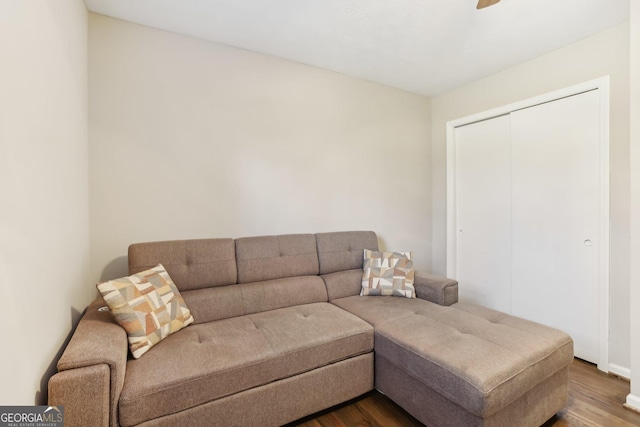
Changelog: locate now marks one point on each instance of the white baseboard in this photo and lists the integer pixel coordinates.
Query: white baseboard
(620, 371)
(633, 402)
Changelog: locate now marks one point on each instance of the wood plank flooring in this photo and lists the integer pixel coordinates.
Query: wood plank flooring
(595, 400)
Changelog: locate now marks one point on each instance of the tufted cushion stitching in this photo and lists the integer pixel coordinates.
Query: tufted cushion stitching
(339, 251)
(426, 357)
(187, 263)
(258, 362)
(254, 364)
(193, 264)
(276, 256)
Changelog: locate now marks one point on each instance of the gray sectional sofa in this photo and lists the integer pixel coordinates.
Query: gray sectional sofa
(280, 332)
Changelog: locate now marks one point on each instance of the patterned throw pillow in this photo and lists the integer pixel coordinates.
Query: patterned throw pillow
(388, 273)
(148, 306)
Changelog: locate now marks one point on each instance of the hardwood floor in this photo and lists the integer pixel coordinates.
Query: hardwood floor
(595, 400)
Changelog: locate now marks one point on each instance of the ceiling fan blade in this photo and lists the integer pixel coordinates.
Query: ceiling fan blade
(486, 3)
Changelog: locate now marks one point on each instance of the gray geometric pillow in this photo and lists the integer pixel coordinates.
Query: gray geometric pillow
(388, 273)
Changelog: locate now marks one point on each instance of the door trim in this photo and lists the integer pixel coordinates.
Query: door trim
(602, 86)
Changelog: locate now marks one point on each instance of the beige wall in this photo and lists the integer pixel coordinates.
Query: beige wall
(192, 139)
(606, 53)
(44, 219)
(634, 398)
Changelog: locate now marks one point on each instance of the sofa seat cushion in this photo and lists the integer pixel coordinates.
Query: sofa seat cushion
(376, 310)
(211, 360)
(478, 358)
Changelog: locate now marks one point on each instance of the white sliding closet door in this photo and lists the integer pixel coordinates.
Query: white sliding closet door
(527, 212)
(555, 217)
(483, 174)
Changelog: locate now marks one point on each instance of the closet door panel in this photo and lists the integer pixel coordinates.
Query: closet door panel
(555, 205)
(483, 213)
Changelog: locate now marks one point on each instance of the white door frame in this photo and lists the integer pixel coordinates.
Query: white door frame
(602, 85)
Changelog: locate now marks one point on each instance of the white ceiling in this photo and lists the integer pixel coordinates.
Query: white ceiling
(423, 46)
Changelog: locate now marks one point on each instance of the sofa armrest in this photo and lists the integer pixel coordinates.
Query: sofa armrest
(98, 343)
(84, 393)
(437, 289)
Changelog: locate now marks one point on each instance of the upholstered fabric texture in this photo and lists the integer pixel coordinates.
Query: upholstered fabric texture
(388, 273)
(280, 402)
(438, 289)
(90, 385)
(479, 359)
(342, 250)
(533, 408)
(266, 348)
(148, 306)
(98, 340)
(276, 257)
(343, 284)
(219, 359)
(192, 264)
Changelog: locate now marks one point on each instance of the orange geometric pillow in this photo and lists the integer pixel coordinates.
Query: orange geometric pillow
(148, 306)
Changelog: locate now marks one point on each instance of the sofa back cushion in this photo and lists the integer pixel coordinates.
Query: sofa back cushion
(276, 257)
(216, 303)
(344, 250)
(222, 302)
(192, 264)
(341, 255)
(222, 278)
(280, 293)
(343, 284)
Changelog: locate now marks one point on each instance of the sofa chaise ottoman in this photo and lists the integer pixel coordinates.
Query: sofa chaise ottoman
(465, 365)
(280, 332)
